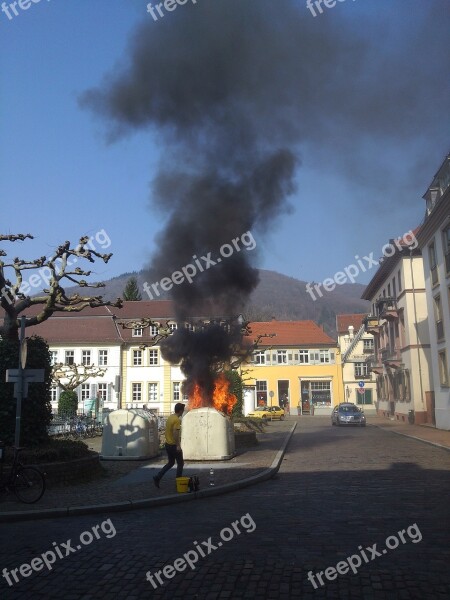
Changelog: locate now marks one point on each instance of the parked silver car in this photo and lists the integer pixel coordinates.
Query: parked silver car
(348, 414)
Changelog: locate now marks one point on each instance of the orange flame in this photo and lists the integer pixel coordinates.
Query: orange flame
(222, 399)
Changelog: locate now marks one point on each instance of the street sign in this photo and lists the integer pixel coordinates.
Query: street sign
(31, 375)
(361, 390)
(361, 384)
(23, 352)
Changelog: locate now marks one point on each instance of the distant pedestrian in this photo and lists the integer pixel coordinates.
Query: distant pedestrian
(173, 441)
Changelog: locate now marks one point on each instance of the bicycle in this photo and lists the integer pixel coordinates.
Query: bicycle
(27, 483)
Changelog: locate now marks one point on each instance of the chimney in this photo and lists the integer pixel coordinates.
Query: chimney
(350, 331)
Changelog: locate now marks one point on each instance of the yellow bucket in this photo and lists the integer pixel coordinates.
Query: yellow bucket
(182, 484)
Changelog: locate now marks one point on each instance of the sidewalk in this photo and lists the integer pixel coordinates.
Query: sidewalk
(129, 484)
(423, 433)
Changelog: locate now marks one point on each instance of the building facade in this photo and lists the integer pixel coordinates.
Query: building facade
(399, 324)
(356, 346)
(296, 366)
(434, 241)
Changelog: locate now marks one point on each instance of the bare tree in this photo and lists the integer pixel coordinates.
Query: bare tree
(58, 269)
(70, 377)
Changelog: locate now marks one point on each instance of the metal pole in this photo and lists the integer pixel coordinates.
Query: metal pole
(19, 384)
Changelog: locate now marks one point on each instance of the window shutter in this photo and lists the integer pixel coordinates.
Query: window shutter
(94, 388)
(109, 392)
(290, 357)
(274, 358)
(331, 356)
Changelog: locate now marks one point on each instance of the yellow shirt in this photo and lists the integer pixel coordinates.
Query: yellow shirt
(173, 422)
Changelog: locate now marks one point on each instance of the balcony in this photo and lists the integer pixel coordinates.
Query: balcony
(387, 308)
(440, 331)
(371, 324)
(374, 363)
(391, 356)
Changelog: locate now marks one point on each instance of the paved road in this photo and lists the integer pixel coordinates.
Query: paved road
(339, 492)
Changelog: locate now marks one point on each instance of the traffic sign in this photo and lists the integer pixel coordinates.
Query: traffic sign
(361, 391)
(361, 384)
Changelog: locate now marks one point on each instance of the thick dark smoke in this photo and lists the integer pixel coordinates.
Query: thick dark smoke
(231, 89)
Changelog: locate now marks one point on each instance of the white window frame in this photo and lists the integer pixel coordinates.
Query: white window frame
(103, 358)
(85, 392)
(152, 389)
(137, 332)
(137, 358)
(69, 354)
(282, 358)
(153, 357)
(136, 392)
(86, 354)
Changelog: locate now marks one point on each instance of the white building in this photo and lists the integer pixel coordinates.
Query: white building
(399, 324)
(434, 240)
(356, 347)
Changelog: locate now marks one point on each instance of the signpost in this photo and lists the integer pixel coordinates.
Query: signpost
(21, 377)
(362, 391)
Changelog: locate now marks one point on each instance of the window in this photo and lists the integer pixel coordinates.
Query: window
(259, 358)
(86, 357)
(85, 392)
(137, 358)
(319, 356)
(54, 393)
(361, 370)
(172, 327)
(394, 290)
(368, 344)
(433, 263)
(153, 392)
(189, 327)
(53, 357)
(399, 281)
(446, 245)
(137, 332)
(443, 368)
(69, 357)
(153, 357)
(324, 356)
(321, 392)
(102, 391)
(153, 330)
(438, 318)
(102, 358)
(389, 290)
(303, 356)
(261, 393)
(136, 392)
(176, 391)
(281, 357)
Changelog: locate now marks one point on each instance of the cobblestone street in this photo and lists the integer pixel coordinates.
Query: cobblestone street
(338, 489)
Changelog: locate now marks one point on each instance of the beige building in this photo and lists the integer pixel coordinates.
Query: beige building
(434, 241)
(399, 324)
(356, 346)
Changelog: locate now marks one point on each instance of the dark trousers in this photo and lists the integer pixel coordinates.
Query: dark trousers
(173, 456)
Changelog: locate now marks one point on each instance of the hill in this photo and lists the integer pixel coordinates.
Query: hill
(276, 295)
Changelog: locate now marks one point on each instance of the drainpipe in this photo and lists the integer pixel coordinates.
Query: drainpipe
(415, 325)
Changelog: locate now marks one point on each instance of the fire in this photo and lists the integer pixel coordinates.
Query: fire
(222, 399)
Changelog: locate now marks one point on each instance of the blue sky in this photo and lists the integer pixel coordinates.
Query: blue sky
(60, 180)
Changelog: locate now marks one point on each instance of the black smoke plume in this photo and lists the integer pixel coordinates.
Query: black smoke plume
(230, 89)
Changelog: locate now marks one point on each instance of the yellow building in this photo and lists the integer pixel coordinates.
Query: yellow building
(297, 365)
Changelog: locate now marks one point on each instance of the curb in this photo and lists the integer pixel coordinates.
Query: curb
(413, 437)
(151, 502)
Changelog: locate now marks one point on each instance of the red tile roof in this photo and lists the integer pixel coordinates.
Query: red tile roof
(291, 333)
(343, 322)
